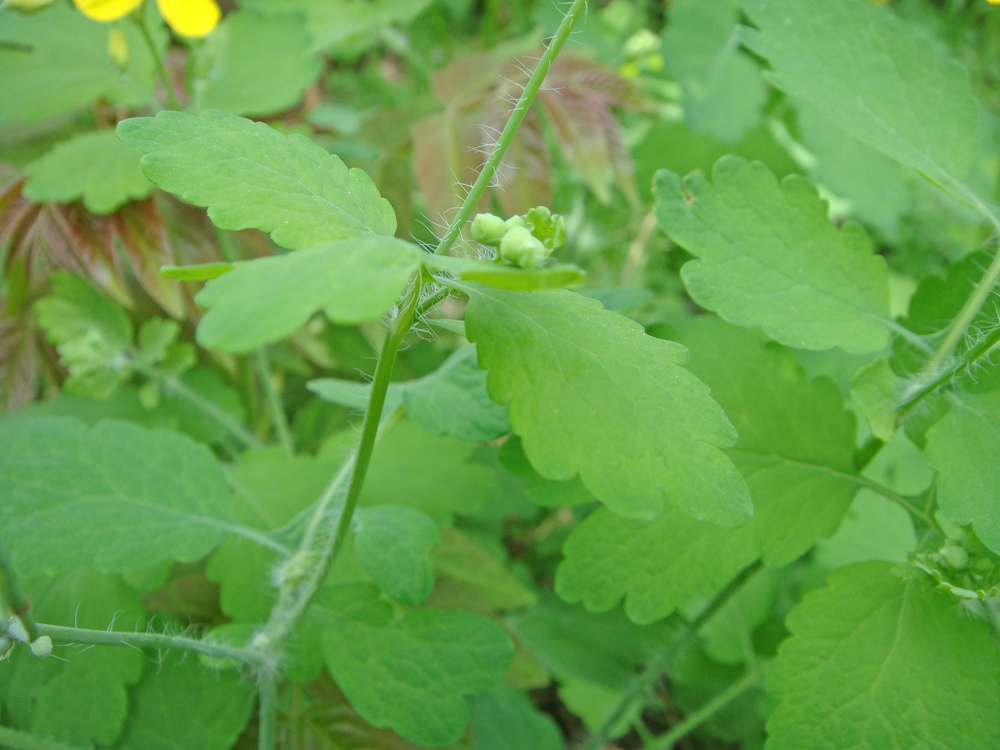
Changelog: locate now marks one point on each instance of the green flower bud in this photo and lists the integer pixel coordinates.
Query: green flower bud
(16, 630)
(546, 226)
(26, 5)
(514, 221)
(955, 558)
(488, 229)
(6, 645)
(41, 647)
(520, 247)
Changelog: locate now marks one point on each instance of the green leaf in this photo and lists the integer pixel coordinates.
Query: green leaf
(506, 719)
(964, 447)
(656, 566)
(478, 581)
(81, 697)
(393, 545)
(452, 400)
(199, 272)
(727, 637)
(249, 175)
(876, 391)
(96, 167)
(723, 90)
(590, 393)
(115, 496)
(57, 61)
(265, 300)
(874, 74)
(410, 672)
(880, 663)
(536, 488)
(255, 64)
(502, 276)
(181, 704)
(768, 256)
(74, 307)
(797, 440)
(874, 529)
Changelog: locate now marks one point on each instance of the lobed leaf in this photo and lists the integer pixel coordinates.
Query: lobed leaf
(410, 672)
(393, 544)
(876, 662)
(768, 256)
(249, 175)
(590, 393)
(114, 495)
(265, 300)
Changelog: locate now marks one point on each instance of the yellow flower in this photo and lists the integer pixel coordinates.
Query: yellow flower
(186, 17)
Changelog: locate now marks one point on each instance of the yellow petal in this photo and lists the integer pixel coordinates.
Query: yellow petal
(106, 10)
(190, 17)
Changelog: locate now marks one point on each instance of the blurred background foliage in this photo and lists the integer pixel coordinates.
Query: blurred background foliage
(414, 92)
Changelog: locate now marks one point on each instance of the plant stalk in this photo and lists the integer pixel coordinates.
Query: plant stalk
(60, 634)
(267, 694)
(161, 68)
(517, 115)
(641, 685)
(278, 416)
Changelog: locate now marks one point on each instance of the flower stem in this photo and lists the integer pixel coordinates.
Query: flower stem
(267, 695)
(161, 68)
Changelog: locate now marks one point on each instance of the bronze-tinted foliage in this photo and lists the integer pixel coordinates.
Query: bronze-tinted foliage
(450, 146)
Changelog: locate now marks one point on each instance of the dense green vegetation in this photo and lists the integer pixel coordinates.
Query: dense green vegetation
(499, 375)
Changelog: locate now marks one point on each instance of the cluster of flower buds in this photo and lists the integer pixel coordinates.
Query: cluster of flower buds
(523, 241)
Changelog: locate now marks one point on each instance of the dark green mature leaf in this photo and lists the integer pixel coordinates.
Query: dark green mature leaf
(250, 175)
(505, 719)
(880, 663)
(265, 300)
(115, 496)
(509, 277)
(965, 449)
(875, 75)
(411, 672)
(591, 394)
(768, 256)
(81, 697)
(723, 89)
(96, 167)
(657, 565)
(255, 64)
(393, 544)
(181, 704)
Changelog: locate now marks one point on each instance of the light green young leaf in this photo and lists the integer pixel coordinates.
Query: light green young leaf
(199, 272)
(254, 65)
(182, 704)
(81, 697)
(393, 544)
(115, 496)
(265, 300)
(591, 394)
(656, 566)
(723, 89)
(876, 662)
(412, 672)
(96, 167)
(768, 256)
(874, 74)
(876, 391)
(250, 175)
(964, 447)
(797, 441)
(502, 276)
(74, 307)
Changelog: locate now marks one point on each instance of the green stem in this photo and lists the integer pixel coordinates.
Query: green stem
(60, 634)
(173, 383)
(900, 500)
(12, 739)
(641, 685)
(161, 69)
(531, 89)
(15, 598)
(278, 416)
(267, 692)
(706, 712)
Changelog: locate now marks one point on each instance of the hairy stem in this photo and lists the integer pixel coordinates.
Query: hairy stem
(510, 129)
(649, 676)
(60, 634)
(706, 712)
(16, 740)
(267, 695)
(174, 384)
(277, 408)
(12, 595)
